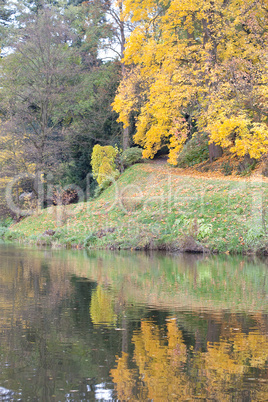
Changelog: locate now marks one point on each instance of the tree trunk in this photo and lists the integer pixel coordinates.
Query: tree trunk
(215, 151)
(125, 133)
(125, 138)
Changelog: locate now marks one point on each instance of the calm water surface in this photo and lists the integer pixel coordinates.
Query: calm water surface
(79, 326)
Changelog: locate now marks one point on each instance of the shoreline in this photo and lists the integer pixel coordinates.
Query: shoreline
(154, 207)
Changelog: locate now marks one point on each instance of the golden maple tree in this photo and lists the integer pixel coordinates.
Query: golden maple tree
(197, 61)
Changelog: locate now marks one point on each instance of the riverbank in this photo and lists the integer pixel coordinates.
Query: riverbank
(153, 206)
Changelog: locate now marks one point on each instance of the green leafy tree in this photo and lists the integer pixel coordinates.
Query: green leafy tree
(39, 82)
(93, 120)
(6, 12)
(56, 90)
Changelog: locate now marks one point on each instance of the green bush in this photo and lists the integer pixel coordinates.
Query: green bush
(204, 229)
(194, 151)
(90, 239)
(13, 235)
(131, 156)
(255, 236)
(4, 225)
(3, 231)
(106, 183)
(43, 241)
(33, 238)
(6, 222)
(226, 168)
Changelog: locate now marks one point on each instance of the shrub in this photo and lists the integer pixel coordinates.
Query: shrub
(3, 231)
(90, 239)
(131, 156)
(246, 166)
(194, 151)
(226, 168)
(103, 162)
(6, 222)
(43, 241)
(204, 230)
(255, 236)
(106, 183)
(4, 226)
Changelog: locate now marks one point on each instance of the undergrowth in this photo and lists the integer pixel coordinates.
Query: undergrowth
(194, 151)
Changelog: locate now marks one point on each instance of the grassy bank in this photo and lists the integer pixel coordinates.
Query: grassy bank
(154, 206)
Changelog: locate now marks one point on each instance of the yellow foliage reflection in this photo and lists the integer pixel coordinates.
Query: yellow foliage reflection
(233, 359)
(102, 307)
(166, 370)
(160, 359)
(124, 378)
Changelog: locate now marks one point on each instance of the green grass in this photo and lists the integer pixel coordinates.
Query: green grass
(154, 207)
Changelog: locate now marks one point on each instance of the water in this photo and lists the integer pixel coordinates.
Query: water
(128, 326)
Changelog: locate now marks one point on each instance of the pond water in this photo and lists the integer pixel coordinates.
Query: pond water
(79, 326)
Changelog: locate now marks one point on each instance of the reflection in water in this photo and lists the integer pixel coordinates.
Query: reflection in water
(160, 361)
(102, 307)
(103, 326)
(165, 369)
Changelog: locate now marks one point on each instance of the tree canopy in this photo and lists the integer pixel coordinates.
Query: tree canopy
(183, 70)
(56, 91)
(38, 81)
(56, 88)
(197, 61)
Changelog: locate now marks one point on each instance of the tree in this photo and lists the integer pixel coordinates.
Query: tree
(57, 92)
(39, 82)
(206, 64)
(93, 119)
(6, 12)
(115, 44)
(122, 26)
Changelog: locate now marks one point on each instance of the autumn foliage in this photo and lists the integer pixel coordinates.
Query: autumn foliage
(197, 61)
(103, 162)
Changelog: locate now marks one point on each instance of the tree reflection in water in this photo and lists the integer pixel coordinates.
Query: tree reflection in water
(163, 368)
(181, 328)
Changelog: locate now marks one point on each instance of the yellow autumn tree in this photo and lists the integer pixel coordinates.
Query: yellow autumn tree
(13, 161)
(197, 61)
(103, 163)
